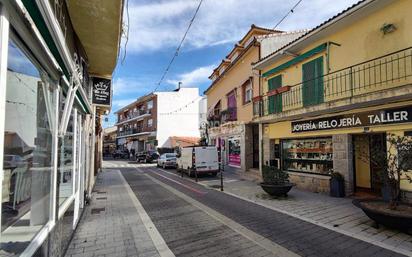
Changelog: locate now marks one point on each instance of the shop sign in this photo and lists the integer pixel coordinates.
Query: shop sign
(362, 119)
(102, 92)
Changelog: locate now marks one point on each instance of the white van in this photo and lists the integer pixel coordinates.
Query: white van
(203, 159)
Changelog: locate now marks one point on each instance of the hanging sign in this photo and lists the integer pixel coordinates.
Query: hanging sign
(362, 119)
(102, 92)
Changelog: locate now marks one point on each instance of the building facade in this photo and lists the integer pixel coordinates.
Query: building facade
(229, 102)
(153, 120)
(109, 140)
(342, 86)
(49, 63)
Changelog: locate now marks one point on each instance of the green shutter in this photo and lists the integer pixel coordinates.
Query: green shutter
(275, 101)
(312, 87)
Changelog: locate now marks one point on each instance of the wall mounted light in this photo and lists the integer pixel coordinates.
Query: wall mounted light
(387, 28)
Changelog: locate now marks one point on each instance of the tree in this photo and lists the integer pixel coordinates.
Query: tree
(395, 163)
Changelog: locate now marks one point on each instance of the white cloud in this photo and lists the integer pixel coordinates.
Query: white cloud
(156, 25)
(194, 77)
(129, 86)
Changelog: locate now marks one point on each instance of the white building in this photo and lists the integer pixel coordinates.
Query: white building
(159, 120)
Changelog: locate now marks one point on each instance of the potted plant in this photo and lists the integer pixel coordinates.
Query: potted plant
(395, 164)
(337, 185)
(275, 181)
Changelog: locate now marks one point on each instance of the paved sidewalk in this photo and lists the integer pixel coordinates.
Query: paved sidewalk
(110, 225)
(338, 214)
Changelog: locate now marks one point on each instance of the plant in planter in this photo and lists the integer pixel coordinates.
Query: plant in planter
(395, 165)
(337, 185)
(275, 181)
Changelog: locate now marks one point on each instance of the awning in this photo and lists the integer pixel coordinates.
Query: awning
(296, 60)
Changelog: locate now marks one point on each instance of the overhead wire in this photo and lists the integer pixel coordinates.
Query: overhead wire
(287, 14)
(178, 48)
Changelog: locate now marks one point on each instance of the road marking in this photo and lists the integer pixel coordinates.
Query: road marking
(186, 186)
(154, 234)
(265, 243)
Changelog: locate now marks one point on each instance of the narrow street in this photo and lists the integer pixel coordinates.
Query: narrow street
(195, 220)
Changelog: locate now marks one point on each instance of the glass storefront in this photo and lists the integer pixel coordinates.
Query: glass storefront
(28, 143)
(66, 162)
(313, 155)
(234, 151)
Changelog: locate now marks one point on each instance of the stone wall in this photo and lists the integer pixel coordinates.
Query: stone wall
(248, 156)
(343, 160)
(310, 182)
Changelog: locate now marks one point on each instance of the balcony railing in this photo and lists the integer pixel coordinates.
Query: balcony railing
(382, 73)
(230, 114)
(129, 132)
(133, 115)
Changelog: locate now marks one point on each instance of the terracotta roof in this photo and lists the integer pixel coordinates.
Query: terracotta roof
(240, 44)
(313, 30)
(183, 141)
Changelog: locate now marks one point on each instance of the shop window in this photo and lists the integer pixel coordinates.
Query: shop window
(234, 151)
(65, 160)
(27, 161)
(308, 155)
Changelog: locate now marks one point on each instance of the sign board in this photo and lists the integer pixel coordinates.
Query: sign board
(102, 92)
(351, 120)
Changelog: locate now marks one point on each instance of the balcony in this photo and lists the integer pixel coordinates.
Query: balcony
(140, 114)
(230, 114)
(215, 120)
(132, 132)
(372, 80)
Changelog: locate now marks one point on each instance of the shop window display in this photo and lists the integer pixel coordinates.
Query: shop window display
(308, 155)
(234, 151)
(27, 161)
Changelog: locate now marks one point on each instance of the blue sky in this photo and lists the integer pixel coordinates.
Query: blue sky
(157, 26)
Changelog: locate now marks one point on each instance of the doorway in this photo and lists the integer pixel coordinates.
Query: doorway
(369, 149)
(255, 132)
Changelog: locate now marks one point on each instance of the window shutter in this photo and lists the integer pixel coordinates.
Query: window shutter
(275, 101)
(312, 87)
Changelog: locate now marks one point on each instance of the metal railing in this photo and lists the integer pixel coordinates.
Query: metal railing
(230, 114)
(134, 115)
(382, 73)
(129, 132)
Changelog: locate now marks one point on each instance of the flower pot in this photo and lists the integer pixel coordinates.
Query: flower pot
(277, 190)
(379, 211)
(337, 187)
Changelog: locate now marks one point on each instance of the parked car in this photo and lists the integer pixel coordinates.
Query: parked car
(167, 160)
(120, 154)
(200, 159)
(147, 156)
(11, 161)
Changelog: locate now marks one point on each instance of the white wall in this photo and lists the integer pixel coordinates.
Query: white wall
(273, 42)
(177, 114)
(203, 109)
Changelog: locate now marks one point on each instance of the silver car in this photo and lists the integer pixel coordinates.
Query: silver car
(167, 160)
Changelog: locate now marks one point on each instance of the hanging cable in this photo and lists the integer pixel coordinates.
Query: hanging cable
(178, 48)
(287, 14)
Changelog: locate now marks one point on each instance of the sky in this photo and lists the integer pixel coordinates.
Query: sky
(156, 28)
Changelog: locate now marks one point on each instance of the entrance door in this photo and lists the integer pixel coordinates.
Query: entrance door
(255, 132)
(362, 162)
(368, 153)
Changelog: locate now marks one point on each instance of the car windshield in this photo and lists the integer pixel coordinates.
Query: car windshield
(170, 155)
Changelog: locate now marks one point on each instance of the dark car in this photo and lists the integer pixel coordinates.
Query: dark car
(147, 156)
(120, 154)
